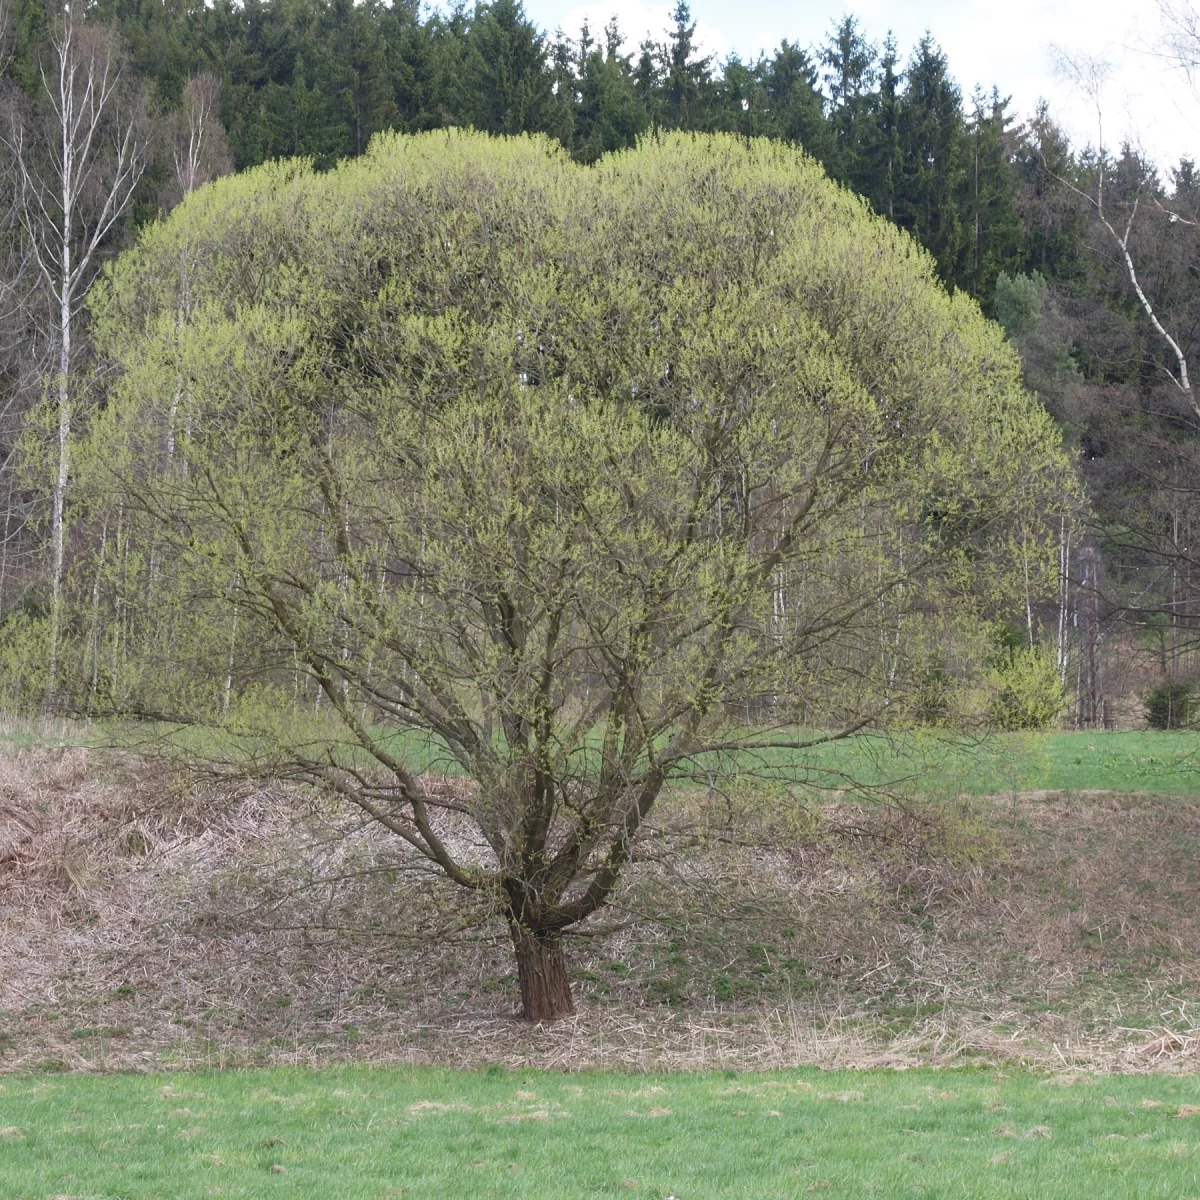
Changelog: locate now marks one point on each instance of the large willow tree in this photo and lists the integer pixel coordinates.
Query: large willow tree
(569, 480)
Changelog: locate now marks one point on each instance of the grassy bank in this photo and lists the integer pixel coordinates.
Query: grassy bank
(412, 1133)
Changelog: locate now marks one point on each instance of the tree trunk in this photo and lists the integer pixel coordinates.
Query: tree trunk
(62, 475)
(542, 974)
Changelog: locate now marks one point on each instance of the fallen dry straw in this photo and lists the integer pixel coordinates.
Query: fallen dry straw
(149, 920)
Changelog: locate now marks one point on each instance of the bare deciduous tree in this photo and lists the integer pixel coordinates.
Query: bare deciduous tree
(76, 176)
(198, 150)
(1180, 44)
(1089, 75)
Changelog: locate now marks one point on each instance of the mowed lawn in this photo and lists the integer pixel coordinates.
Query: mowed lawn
(357, 1132)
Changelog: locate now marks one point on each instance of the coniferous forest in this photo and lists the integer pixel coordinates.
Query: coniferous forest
(1085, 254)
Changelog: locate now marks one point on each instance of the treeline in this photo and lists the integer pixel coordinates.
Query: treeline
(317, 78)
(169, 95)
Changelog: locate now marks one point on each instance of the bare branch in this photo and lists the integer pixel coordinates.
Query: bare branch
(1089, 75)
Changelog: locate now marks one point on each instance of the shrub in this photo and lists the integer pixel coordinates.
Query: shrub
(1028, 691)
(1171, 705)
(933, 693)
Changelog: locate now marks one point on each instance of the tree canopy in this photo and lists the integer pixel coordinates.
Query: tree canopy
(569, 480)
(209, 88)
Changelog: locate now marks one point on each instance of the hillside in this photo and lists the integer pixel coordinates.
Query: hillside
(150, 922)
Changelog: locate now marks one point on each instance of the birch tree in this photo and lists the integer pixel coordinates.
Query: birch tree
(198, 149)
(1089, 75)
(77, 171)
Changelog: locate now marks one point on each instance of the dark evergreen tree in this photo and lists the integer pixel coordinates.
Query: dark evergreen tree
(738, 102)
(881, 153)
(412, 65)
(360, 83)
(995, 225)
(849, 61)
(686, 78)
(795, 109)
(1051, 215)
(563, 65)
(508, 86)
(610, 115)
(931, 135)
(449, 89)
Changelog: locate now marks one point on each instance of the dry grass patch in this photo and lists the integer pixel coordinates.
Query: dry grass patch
(146, 920)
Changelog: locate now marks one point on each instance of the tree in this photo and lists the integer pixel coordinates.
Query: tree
(360, 85)
(1127, 254)
(508, 85)
(1027, 311)
(562, 559)
(995, 228)
(931, 138)
(198, 150)
(75, 186)
(686, 78)
(1140, 188)
(795, 108)
(21, 366)
(609, 115)
(1180, 45)
(882, 152)
(549, 477)
(849, 61)
(736, 104)
(1051, 216)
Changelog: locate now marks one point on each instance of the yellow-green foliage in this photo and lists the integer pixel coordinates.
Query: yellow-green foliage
(569, 469)
(1026, 690)
(446, 337)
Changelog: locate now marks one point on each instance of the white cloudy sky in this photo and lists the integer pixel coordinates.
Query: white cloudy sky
(1010, 43)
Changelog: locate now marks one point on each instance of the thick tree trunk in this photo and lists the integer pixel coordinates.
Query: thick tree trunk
(542, 974)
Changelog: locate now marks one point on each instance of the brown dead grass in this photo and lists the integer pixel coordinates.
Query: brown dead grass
(147, 922)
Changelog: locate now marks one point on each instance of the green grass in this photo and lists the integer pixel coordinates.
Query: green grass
(930, 762)
(415, 1133)
(1094, 760)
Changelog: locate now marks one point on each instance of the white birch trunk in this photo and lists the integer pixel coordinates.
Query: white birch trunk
(67, 226)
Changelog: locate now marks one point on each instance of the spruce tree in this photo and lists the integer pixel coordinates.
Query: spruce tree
(882, 152)
(610, 115)
(508, 86)
(795, 110)
(686, 78)
(849, 61)
(931, 139)
(994, 225)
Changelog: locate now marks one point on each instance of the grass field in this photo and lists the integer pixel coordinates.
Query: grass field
(928, 762)
(426, 1133)
(933, 763)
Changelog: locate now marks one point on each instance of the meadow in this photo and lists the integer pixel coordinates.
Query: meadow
(933, 763)
(434, 1133)
(927, 762)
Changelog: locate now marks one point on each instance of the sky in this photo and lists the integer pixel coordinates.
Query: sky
(1013, 44)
